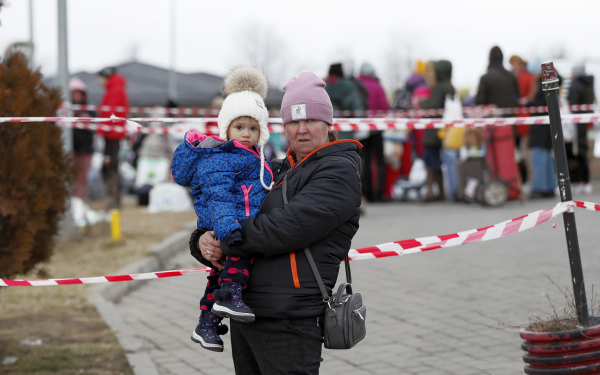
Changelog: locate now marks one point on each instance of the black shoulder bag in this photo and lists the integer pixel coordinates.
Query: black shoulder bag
(345, 314)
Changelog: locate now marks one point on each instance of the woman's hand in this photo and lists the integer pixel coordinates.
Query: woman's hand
(210, 248)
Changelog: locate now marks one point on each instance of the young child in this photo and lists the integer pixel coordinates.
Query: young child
(228, 181)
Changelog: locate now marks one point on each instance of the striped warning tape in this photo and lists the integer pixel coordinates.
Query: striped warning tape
(396, 248)
(482, 110)
(340, 124)
(103, 279)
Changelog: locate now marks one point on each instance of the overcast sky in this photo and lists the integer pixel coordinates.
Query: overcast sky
(314, 33)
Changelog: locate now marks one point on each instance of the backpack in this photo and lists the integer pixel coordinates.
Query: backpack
(402, 99)
(361, 90)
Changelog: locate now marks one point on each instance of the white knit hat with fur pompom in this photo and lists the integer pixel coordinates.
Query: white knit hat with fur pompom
(245, 89)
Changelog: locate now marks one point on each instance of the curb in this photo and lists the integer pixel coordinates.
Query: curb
(104, 296)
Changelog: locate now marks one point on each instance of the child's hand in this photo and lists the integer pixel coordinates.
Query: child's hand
(234, 237)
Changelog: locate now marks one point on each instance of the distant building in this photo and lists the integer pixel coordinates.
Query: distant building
(148, 85)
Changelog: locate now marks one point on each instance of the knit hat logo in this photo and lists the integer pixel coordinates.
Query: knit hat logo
(298, 111)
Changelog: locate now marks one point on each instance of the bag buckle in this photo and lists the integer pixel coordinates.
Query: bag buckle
(328, 302)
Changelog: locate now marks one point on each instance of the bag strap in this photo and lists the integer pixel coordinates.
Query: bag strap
(311, 261)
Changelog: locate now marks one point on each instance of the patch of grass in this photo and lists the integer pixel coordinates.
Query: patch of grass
(73, 342)
(75, 338)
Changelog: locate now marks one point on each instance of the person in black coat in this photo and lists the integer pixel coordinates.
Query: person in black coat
(324, 192)
(498, 86)
(543, 181)
(581, 92)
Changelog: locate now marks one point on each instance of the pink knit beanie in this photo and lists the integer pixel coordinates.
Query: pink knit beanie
(306, 99)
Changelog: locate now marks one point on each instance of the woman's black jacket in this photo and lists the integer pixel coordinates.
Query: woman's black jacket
(323, 211)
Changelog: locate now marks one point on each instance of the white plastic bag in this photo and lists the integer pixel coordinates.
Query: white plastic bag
(452, 108)
(418, 172)
(169, 197)
(152, 171)
(83, 215)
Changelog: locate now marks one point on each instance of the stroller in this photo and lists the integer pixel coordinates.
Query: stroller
(489, 175)
(410, 190)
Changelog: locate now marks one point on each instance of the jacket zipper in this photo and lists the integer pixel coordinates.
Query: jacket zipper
(246, 191)
(257, 155)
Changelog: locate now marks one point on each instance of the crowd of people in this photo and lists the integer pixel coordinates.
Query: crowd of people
(456, 159)
(451, 161)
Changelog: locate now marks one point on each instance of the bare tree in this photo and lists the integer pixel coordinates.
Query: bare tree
(261, 47)
(398, 62)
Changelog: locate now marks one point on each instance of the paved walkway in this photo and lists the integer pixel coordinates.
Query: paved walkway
(422, 309)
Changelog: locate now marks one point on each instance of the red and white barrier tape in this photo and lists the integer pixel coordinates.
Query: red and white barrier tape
(484, 110)
(396, 248)
(492, 232)
(340, 124)
(539, 109)
(103, 279)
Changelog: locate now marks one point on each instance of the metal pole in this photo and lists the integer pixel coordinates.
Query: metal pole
(63, 58)
(173, 51)
(63, 80)
(63, 66)
(550, 86)
(31, 45)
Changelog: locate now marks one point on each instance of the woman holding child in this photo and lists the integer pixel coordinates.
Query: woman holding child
(281, 293)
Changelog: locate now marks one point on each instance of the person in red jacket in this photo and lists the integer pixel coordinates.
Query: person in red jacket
(526, 86)
(115, 97)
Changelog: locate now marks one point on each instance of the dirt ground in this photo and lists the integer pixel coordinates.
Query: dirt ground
(75, 339)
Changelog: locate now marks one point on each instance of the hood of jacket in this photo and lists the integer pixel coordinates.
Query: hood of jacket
(190, 153)
(415, 81)
(341, 146)
(368, 79)
(116, 81)
(443, 70)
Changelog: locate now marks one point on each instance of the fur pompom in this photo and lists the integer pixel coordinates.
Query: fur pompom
(246, 78)
(223, 294)
(222, 329)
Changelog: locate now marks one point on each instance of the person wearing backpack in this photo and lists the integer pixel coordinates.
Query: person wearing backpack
(342, 92)
(403, 97)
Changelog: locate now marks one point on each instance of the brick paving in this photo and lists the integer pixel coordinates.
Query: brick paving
(424, 310)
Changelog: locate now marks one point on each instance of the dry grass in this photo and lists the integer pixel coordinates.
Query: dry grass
(566, 318)
(73, 333)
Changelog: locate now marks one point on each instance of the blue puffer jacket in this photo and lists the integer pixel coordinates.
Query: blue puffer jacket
(225, 181)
